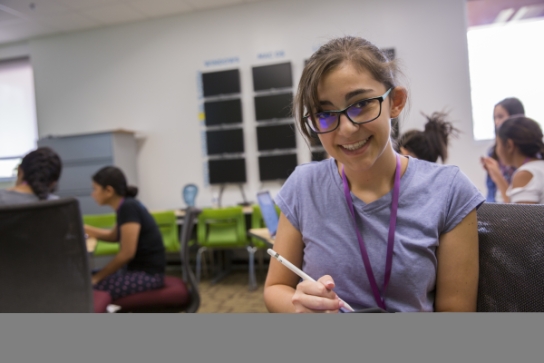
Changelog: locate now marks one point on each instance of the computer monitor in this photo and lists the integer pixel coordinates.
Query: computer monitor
(273, 106)
(272, 76)
(276, 137)
(223, 112)
(225, 171)
(221, 83)
(276, 167)
(225, 141)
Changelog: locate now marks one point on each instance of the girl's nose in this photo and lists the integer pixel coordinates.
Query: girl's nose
(346, 127)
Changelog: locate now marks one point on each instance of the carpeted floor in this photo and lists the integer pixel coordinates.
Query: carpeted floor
(231, 295)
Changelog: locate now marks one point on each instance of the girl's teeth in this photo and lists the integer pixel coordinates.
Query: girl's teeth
(355, 146)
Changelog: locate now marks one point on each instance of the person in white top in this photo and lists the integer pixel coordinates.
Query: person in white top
(519, 144)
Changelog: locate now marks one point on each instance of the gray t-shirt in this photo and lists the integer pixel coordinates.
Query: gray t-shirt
(9, 197)
(433, 200)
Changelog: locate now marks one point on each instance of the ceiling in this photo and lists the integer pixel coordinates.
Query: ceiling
(24, 19)
(482, 12)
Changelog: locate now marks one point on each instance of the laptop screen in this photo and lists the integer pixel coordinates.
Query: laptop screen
(268, 210)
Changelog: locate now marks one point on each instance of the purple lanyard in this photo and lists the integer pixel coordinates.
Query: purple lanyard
(379, 297)
(120, 204)
(117, 210)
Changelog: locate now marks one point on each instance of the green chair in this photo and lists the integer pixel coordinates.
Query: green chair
(223, 228)
(166, 221)
(106, 221)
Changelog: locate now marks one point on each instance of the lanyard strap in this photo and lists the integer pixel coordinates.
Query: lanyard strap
(378, 297)
(120, 204)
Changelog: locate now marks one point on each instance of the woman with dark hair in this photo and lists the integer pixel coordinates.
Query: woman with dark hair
(519, 145)
(430, 144)
(502, 110)
(37, 177)
(374, 228)
(506, 108)
(139, 265)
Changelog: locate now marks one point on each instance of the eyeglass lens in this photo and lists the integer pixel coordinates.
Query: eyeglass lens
(364, 111)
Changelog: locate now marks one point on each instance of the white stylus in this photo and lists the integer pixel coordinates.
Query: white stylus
(298, 271)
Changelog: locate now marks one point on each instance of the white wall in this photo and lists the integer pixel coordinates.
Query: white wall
(143, 77)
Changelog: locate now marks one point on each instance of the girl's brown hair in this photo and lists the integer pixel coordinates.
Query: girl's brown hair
(357, 51)
(431, 143)
(525, 133)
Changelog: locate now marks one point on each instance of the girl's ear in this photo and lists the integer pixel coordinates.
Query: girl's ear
(398, 96)
(510, 146)
(109, 190)
(53, 187)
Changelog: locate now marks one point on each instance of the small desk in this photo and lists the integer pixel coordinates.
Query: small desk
(262, 234)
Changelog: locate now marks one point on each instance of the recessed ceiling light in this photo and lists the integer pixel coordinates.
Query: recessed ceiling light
(520, 13)
(504, 15)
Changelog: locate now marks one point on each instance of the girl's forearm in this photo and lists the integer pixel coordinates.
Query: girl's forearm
(277, 298)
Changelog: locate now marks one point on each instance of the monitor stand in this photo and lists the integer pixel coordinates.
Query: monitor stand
(244, 202)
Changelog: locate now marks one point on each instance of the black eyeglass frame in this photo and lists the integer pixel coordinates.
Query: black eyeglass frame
(339, 112)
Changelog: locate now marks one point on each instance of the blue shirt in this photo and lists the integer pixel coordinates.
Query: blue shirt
(433, 200)
(507, 172)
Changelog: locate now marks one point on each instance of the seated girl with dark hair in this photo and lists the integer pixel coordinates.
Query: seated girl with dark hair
(37, 178)
(519, 145)
(139, 265)
(432, 143)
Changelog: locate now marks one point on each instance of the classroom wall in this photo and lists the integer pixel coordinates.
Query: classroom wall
(144, 77)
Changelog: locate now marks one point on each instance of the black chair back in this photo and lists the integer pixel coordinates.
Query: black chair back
(191, 214)
(43, 259)
(511, 239)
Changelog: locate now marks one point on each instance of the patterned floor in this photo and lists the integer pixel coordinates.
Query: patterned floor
(232, 295)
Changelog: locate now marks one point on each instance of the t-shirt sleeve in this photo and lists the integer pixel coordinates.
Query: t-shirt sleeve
(128, 213)
(287, 199)
(463, 198)
(528, 193)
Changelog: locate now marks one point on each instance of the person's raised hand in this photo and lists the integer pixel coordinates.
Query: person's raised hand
(492, 167)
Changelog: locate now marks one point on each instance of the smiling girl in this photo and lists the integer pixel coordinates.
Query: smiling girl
(372, 227)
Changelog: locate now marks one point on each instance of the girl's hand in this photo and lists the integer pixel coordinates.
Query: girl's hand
(492, 167)
(94, 280)
(316, 297)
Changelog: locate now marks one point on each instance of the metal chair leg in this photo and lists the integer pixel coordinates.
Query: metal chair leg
(199, 263)
(260, 254)
(252, 280)
(183, 273)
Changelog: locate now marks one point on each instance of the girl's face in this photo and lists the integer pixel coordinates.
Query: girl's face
(499, 115)
(101, 195)
(357, 147)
